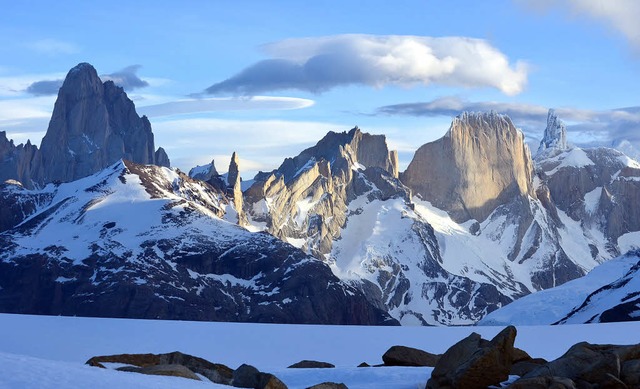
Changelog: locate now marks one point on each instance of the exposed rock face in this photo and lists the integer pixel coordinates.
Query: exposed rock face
(161, 158)
(204, 172)
(93, 125)
(234, 188)
(16, 161)
(481, 163)
(598, 186)
(555, 134)
(324, 180)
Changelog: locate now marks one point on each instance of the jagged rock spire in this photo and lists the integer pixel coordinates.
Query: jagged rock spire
(93, 125)
(234, 188)
(555, 135)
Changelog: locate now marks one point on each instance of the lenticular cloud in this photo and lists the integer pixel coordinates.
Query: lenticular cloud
(319, 64)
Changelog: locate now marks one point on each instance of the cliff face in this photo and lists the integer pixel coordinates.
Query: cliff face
(93, 125)
(481, 163)
(305, 200)
(16, 161)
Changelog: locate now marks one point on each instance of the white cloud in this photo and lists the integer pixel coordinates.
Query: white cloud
(188, 106)
(587, 127)
(51, 46)
(620, 15)
(321, 63)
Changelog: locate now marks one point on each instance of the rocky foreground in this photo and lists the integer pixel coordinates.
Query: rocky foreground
(471, 363)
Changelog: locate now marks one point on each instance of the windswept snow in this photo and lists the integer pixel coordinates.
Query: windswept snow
(575, 157)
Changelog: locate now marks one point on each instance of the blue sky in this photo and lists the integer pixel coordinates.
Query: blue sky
(398, 69)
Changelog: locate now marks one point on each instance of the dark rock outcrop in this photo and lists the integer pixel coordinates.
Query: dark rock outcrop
(408, 356)
(247, 376)
(590, 363)
(16, 161)
(307, 364)
(475, 363)
(329, 385)
(234, 188)
(481, 163)
(161, 158)
(93, 125)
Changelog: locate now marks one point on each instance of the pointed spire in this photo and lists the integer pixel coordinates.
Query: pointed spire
(555, 135)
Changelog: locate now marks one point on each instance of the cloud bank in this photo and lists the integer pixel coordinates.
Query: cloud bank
(126, 78)
(181, 107)
(619, 15)
(587, 127)
(320, 64)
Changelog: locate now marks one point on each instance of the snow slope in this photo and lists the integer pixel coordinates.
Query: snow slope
(49, 351)
(553, 305)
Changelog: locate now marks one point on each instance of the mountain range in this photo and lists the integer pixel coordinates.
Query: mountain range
(95, 223)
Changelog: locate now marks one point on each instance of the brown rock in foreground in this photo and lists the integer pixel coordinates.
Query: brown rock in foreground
(408, 356)
(165, 370)
(474, 363)
(215, 372)
(592, 365)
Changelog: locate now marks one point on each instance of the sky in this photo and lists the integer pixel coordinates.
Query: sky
(269, 79)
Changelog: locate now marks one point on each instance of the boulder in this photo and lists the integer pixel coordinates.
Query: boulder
(548, 382)
(408, 356)
(364, 364)
(474, 362)
(522, 368)
(167, 370)
(215, 372)
(247, 376)
(329, 385)
(630, 373)
(307, 364)
(583, 361)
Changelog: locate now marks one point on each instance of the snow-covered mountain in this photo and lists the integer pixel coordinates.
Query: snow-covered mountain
(450, 264)
(150, 242)
(610, 292)
(335, 234)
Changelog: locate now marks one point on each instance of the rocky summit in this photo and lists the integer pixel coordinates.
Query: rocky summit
(481, 163)
(93, 125)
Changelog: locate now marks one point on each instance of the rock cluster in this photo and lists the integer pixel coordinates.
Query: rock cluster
(474, 363)
(471, 363)
(177, 364)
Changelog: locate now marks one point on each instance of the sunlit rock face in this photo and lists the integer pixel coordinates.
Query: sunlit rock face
(481, 162)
